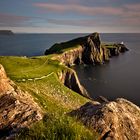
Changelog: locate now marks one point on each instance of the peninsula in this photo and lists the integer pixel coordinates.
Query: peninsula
(6, 32)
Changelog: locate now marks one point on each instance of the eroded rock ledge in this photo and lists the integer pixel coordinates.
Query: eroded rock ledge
(114, 120)
(69, 78)
(17, 108)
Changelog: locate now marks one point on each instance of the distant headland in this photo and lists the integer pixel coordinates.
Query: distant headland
(6, 32)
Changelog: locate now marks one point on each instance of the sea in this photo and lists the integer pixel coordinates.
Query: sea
(120, 78)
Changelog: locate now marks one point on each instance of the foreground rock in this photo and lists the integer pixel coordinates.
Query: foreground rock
(115, 120)
(17, 108)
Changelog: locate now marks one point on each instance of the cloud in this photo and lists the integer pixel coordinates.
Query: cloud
(13, 20)
(122, 22)
(126, 15)
(75, 16)
(133, 7)
(131, 10)
(130, 21)
(82, 22)
(77, 8)
(127, 10)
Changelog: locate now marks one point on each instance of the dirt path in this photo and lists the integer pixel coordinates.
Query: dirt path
(34, 79)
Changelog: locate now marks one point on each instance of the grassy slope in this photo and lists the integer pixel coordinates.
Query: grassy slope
(68, 45)
(55, 99)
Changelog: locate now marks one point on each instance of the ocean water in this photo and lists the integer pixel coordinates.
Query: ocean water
(118, 78)
(30, 44)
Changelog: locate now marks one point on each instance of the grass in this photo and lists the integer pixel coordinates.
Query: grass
(22, 67)
(51, 128)
(53, 97)
(109, 45)
(59, 48)
(65, 46)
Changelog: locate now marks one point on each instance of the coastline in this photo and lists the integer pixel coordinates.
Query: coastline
(55, 91)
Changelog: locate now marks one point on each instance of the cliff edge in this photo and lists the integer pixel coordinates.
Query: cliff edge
(69, 78)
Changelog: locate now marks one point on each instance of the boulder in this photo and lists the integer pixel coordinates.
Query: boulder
(114, 120)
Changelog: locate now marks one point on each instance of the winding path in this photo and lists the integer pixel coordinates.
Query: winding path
(36, 78)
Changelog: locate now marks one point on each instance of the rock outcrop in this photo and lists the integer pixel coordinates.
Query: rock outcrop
(87, 50)
(69, 78)
(17, 108)
(114, 120)
(6, 32)
(115, 49)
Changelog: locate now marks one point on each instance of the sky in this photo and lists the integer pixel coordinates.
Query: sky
(70, 16)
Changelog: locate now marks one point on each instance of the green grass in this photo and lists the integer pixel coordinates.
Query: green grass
(22, 67)
(53, 128)
(64, 46)
(74, 43)
(53, 97)
(109, 45)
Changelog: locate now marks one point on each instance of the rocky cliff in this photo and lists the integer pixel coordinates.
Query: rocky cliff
(87, 50)
(69, 78)
(114, 120)
(17, 108)
(115, 49)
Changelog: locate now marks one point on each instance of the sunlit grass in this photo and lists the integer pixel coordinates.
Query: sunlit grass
(52, 96)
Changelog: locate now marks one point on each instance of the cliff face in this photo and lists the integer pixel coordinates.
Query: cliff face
(115, 120)
(17, 108)
(71, 57)
(92, 51)
(89, 51)
(69, 79)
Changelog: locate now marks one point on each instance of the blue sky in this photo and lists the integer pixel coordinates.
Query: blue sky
(70, 16)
